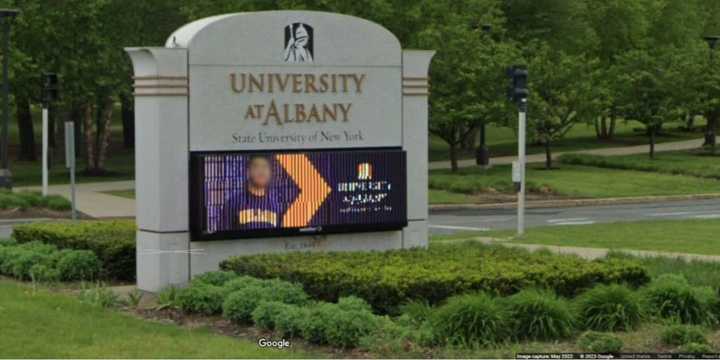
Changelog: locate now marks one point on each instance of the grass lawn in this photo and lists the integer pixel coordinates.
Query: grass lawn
(502, 141)
(128, 194)
(685, 236)
(120, 166)
(565, 181)
(43, 324)
(694, 163)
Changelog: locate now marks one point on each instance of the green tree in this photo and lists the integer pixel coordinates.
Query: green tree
(646, 89)
(468, 81)
(562, 94)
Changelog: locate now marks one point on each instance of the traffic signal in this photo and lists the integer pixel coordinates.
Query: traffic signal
(49, 88)
(518, 91)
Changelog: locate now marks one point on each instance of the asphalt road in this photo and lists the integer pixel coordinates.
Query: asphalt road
(452, 221)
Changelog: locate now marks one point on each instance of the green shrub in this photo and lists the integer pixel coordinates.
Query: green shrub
(247, 294)
(415, 313)
(289, 320)
(609, 308)
(697, 348)
(390, 338)
(242, 282)
(44, 273)
(201, 298)
(113, 242)
(168, 298)
(473, 319)
(599, 342)
(31, 199)
(77, 265)
(671, 297)
(389, 279)
(265, 314)
(99, 296)
(7, 242)
(57, 203)
(10, 200)
(23, 261)
(539, 315)
(335, 325)
(217, 278)
(676, 335)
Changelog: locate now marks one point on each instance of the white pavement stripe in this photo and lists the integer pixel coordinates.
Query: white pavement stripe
(589, 222)
(707, 216)
(566, 220)
(451, 227)
(682, 213)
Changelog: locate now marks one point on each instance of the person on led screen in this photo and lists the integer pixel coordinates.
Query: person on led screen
(255, 206)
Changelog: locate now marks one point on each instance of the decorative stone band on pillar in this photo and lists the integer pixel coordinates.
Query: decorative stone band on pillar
(416, 89)
(161, 166)
(332, 105)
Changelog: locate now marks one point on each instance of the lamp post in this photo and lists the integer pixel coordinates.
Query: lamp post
(6, 16)
(482, 154)
(712, 42)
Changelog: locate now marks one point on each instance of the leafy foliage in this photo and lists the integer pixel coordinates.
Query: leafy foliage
(243, 301)
(671, 297)
(609, 308)
(471, 319)
(389, 279)
(599, 342)
(540, 315)
(43, 262)
(341, 325)
(201, 298)
(113, 242)
(676, 335)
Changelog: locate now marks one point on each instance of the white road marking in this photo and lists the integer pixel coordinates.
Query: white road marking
(451, 227)
(682, 213)
(566, 220)
(588, 222)
(707, 216)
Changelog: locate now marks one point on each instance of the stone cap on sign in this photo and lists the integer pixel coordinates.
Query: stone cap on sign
(287, 38)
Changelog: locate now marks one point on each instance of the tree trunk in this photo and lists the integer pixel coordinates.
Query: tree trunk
(26, 130)
(128, 121)
(471, 140)
(90, 143)
(710, 130)
(453, 157)
(104, 133)
(548, 155)
(651, 132)
(611, 131)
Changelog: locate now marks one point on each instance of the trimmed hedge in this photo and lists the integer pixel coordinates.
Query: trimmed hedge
(24, 200)
(44, 262)
(388, 279)
(112, 241)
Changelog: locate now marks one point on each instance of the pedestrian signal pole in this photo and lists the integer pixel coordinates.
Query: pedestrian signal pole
(519, 95)
(49, 94)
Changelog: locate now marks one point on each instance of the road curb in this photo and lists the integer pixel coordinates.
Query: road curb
(575, 202)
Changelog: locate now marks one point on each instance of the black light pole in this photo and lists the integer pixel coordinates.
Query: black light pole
(712, 42)
(6, 16)
(482, 154)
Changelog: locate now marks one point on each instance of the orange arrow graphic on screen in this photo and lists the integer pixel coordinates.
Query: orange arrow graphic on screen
(313, 189)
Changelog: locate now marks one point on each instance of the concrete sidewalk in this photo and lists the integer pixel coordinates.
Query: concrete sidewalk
(598, 253)
(538, 158)
(92, 202)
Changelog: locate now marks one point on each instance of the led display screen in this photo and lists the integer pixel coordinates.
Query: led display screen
(250, 194)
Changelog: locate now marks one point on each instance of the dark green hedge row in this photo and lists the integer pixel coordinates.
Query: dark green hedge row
(112, 241)
(44, 262)
(389, 279)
